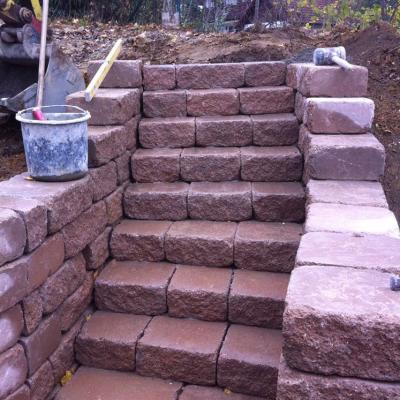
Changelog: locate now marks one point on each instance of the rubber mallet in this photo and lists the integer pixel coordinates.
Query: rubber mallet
(331, 56)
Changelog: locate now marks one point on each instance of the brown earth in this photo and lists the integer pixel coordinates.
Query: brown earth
(377, 48)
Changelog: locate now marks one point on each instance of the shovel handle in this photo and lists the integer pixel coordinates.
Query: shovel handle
(42, 57)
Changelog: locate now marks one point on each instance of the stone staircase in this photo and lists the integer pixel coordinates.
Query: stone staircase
(195, 290)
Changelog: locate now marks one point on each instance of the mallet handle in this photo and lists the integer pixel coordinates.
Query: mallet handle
(341, 62)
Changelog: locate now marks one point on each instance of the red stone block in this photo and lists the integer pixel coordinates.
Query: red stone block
(123, 164)
(97, 252)
(265, 73)
(114, 206)
(131, 129)
(134, 287)
(180, 349)
(11, 325)
(212, 102)
(13, 235)
(22, 393)
(41, 382)
(32, 307)
(159, 77)
(164, 103)
(300, 106)
(104, 180)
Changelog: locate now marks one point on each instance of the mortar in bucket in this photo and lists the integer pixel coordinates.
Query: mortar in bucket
(56, 148)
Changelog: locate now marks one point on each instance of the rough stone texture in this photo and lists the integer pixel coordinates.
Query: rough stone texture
(211, 164)
(109, 106)
(162, 201)
(156, 165)
(249, 361)
(34, 215)
(212, 102)
(208, 76)
(13, 283)
(64, 200)
(278, 201)
(114, 206)
(104, 180)
(348, 250)
(343, 157)
(199, 292)
(348, 332)
(221, 201)
(180, 349)
(325, 115)
(298, 385)
(266, 73)
(97, 252)
(164, 103)
(22, 393)
(258, 298)
(355, 193)
(63, 283)
(123, 73)
(351, 219)
(271, 164)
(200, 243)
(139, 240)
(275, 129)
(41, 382)
(226, 131)
(13, 370)
(266, 100)
(134, 287)
(123, 164)
(167, 132)
(108, 340)
(193, 392)
(75, 305)
(92, 384)
(328, 81)
(266, 246)
(13, 235)
(39, 346)
(159, 77)
(11, 324)
(299, 106)
(32, 307)
(131, 128)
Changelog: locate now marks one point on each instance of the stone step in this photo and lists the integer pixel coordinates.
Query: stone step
(217, 164)
(253, 245)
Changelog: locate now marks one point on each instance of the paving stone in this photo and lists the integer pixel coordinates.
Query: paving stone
(156, 165)
(167, 132)
(63, 283)
(108, 340)
(78, 234)
(343, 157)
(212, 164)
(22, 393)
(220, 201)
(341, 115)
(34, 215)
(351, 219)
(11, 325)
(162, 201)
(134, 287)
(208, 76)
(109, 106)
(266, 100)
(357, 193)
(199, 292)
(180, 349)
(275, 129)
(212, 102)
(139, 240)
(159, 77)
(164, 103)
(104, 180)
(131, 128)
(97, 252)
(193, 392)
(224, 131)
(348, 250)
(13, 370)
(123, 73)
(41, 382)
(39, 346)
(258, 298)
(278, 201)
(348, 320)
(92, 384)
(114, 206)
(249, 361)
(266, 246)
(271, 164)
(200, 243)
(265, 73)
(32, 307)
(123, 164)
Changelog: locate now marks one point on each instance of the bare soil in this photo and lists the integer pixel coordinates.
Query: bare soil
(377, 48)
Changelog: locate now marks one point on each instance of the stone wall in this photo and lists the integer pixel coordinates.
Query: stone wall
(53, 240)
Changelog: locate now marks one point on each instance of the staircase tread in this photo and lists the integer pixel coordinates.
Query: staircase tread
(194, 392)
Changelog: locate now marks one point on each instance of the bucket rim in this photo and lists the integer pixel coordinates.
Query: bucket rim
(85, 116)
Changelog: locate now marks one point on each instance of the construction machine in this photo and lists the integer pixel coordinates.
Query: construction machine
(19, 58)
